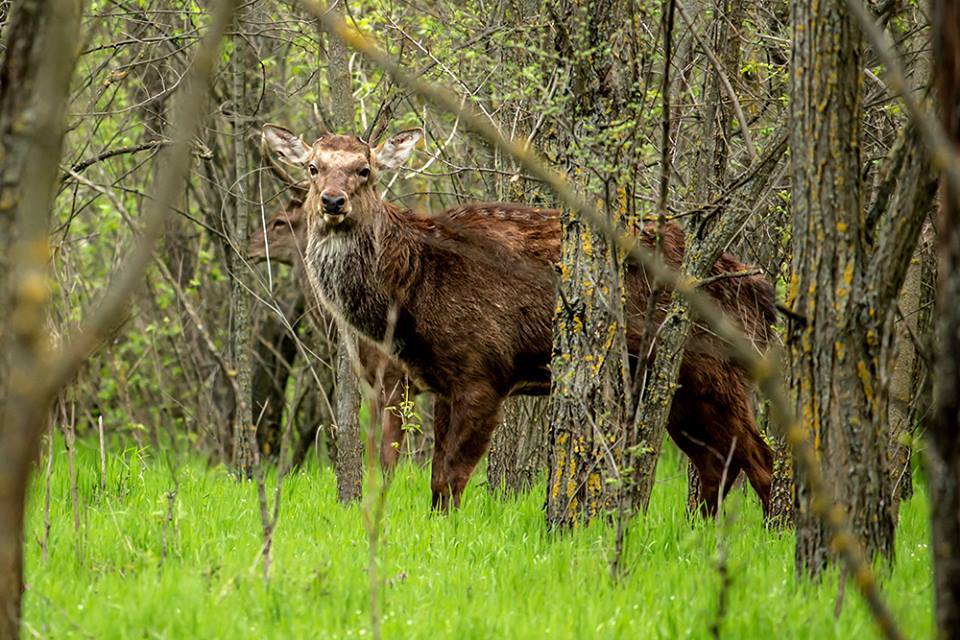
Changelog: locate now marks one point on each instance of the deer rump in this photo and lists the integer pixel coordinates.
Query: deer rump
(472, 292)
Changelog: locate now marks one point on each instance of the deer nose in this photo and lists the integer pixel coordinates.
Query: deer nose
(333, 203)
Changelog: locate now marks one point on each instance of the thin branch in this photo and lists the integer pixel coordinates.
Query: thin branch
(722, 74)
(169, 181)
(112, 153)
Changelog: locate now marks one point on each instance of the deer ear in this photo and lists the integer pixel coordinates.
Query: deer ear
(395, 151)
(289, 147)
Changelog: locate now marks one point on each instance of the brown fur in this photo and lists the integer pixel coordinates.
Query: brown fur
(472, 291)
(286, 239)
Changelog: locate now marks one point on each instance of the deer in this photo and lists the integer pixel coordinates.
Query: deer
(283, 239)
(465, 301)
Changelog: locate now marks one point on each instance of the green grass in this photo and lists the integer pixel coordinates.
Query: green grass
(489, 571)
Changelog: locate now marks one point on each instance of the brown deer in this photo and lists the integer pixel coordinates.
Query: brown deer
(468, 298)
(283, 239)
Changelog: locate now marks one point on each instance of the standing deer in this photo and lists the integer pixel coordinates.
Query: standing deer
(467, 299)
(284, 240)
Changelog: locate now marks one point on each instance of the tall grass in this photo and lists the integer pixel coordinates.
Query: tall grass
(490, 570)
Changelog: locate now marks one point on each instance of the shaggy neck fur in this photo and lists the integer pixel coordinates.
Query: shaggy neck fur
(363, 267)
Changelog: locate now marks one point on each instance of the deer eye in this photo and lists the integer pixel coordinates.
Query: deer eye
(313, 169)
(364, 172)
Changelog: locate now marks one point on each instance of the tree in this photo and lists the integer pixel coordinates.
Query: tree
(349, 455)
(849, 263)
(586, 413)
(944, 450)
(33, 373)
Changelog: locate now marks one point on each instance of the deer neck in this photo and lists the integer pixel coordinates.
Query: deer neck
(342, 269)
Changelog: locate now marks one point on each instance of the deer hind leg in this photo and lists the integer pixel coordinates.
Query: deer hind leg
(473, 417)
(752, 453)
(441, 431)
(688, 428)
(713, 424)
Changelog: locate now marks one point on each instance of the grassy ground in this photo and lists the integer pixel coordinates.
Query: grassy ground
(489, 571)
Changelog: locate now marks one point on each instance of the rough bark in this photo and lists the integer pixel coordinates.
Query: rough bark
(588, 367)
(944, 444)
(518, 448)
(845, 278)
(240, 334)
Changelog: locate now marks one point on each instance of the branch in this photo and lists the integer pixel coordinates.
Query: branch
(726, 276)
(722, 74)
(942, 155)
(169, 185)
(112, 153)
(763, 369)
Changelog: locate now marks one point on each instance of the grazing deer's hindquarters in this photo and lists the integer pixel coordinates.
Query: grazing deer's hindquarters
(466, 298)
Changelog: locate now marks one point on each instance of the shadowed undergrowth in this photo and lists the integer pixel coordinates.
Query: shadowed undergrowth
(490, 570)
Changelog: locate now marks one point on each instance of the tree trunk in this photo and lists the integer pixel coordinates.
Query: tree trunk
(240, 334)
(944, 444)
(349, 447)
(845, 278)
(34, 90)
(519, 446)
(588, 366)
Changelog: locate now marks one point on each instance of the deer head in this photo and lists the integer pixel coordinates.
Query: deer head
(284, 234)
(342, 171)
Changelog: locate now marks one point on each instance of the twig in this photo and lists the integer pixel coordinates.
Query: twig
(722, 74)
(112, 153)
(103, 458)
(703, 282)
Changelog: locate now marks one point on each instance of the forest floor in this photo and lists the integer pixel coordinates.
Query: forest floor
(490, 570)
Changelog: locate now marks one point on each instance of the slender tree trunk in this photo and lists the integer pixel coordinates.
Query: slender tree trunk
(519, 446)
(944, 443)
(349, 452)
(32, 119)
(240, 334)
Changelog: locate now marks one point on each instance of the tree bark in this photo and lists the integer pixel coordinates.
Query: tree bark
(519, 446)
(845, 279)
(589, 365)
(944, 444)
